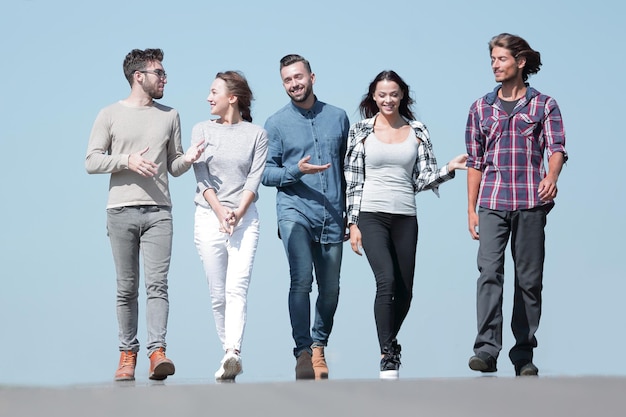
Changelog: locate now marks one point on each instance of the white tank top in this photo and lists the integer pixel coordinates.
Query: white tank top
(388, 186)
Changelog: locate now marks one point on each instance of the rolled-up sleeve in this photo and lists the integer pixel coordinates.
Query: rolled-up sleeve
(554, 132)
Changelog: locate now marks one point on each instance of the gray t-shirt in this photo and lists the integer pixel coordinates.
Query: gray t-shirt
(388, 186)
(233, 160)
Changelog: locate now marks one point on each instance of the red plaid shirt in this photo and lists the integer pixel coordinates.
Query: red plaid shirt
(509, 148)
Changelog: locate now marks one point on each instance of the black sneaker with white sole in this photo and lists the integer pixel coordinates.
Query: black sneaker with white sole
(390, 362)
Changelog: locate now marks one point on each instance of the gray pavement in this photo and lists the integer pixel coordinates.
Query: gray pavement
(467, 397)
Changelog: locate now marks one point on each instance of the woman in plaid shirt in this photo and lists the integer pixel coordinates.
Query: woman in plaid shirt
(395, 151)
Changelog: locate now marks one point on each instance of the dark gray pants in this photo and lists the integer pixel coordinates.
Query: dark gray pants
(526, 231)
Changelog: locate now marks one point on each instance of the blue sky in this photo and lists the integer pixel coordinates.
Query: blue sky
(63, 62)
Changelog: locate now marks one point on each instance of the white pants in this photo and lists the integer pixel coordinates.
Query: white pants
(227, 264)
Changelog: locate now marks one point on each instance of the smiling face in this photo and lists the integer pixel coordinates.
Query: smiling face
(505, 67)
(298, 83)
(387, 96)
(219, 98)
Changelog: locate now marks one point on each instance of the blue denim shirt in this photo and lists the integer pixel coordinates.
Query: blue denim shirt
(317, 201)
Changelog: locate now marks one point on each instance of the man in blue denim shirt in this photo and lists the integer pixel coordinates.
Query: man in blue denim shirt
(307, 143)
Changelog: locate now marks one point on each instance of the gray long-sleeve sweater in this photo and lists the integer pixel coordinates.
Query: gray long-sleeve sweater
(232, 161)
(120, 130)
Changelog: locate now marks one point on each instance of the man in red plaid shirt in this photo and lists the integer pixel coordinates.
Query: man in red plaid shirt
(509, 133)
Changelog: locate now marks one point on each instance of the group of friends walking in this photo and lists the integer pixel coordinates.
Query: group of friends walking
(335, 182)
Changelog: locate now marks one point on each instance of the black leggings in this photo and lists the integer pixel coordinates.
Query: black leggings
(390, 242)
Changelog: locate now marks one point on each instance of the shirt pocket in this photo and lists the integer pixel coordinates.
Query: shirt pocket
(491, 127)
(527, 125)
(336, 141)
(332, 147)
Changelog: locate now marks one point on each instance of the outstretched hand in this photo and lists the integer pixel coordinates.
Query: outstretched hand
(306, 168)
(458, 162)
(194, 152)
(142, 166)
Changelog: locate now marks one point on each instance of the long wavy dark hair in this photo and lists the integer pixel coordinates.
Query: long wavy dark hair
(237, 85)
(368, 107)
(519, 48)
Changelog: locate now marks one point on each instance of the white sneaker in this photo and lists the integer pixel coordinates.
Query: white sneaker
(391, 374)
(230, 367)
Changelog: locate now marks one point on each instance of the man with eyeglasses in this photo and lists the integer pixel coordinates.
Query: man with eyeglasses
(138, 141)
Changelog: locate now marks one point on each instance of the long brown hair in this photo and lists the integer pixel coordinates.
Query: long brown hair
(237, 85)
(519, 48)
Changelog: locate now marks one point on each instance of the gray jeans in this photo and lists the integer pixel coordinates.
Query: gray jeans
(147, 229)
(526, 230)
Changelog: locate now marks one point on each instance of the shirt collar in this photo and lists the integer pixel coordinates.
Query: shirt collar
(491, 98)
(315, 108)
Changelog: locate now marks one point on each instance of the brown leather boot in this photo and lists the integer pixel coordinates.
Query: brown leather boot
(319, 363)
(304, 368)
(126, 368)
(160, 366)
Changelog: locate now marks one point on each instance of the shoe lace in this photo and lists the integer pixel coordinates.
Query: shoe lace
(128, 359)
(393, 354)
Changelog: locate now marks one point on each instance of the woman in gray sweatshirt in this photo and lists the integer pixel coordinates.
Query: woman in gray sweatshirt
(226, 228)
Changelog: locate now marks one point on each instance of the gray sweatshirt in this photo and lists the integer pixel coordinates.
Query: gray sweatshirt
(233, 160)
(120, 130)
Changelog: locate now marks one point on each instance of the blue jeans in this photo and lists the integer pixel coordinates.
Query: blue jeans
(147, 229)
(304, 254)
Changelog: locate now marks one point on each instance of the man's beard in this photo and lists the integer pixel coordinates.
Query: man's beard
(153, 91)
(305, 95)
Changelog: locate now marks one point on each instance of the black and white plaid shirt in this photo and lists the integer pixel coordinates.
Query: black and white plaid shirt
(426, 174)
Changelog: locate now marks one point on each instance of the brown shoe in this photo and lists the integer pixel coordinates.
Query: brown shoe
(160, 366)
(126, 368)
(319, 363)
(304, 366)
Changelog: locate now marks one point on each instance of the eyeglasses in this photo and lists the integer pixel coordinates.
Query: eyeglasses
(158, 72)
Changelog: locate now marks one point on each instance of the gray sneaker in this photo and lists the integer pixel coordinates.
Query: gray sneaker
(526, 369)
(483, 362)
